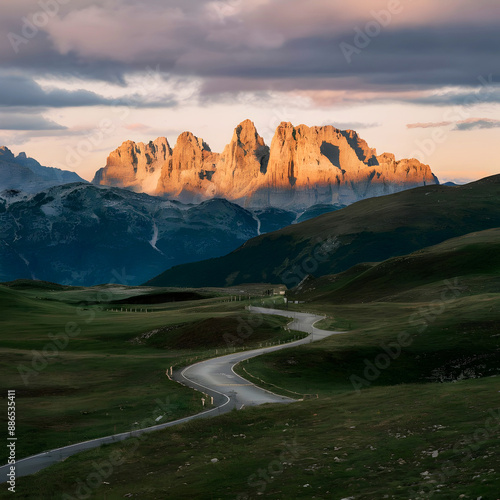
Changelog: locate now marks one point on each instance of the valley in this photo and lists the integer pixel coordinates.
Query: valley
(249, 250)
(406, 396)
(371, 230)
(153, 208)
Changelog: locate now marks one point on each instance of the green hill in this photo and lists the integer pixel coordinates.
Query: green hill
(443, 298)
(402, 405)
(474, 259)
(371, 230)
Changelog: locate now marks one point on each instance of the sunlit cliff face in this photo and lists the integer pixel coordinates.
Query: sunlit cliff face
(302, 167)
(78, 79)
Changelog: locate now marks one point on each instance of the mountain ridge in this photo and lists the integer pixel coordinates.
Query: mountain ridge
(370, 230)
(81, 234)
(303, 166)
(28, 175)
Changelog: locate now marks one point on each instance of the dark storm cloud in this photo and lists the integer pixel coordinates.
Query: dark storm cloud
(272, 45)
(20, 91)
(22, 121)
(422, 58)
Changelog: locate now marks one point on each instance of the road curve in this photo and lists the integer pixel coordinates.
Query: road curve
(214, 377)
(217, 378)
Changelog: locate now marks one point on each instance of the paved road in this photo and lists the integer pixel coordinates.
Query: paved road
(214, 377)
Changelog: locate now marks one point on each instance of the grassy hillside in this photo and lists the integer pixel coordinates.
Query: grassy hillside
(445, 300)
(407, 442)
(81, 370)
(403, 405)
(474, 259)
(443, 342)
(371, 230)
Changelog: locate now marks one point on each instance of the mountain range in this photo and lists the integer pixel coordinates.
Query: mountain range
(81, 234)
(26, 174)
(304, 166)
(368, 231)
(154, 207)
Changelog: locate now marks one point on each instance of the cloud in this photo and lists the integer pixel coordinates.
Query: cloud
(137, 127)
(96, 32)
(280, 45)
(352, 125)
(469, 124)
(22, 91)
(486, 90)
(428, 124)
(21, 121)
(477, 124)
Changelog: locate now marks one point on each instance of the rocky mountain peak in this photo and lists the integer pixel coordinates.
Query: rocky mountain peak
(6, 154)
(303, 166)
(365, 154)
(387, 157)
(135, 165)
(189, 139)
(246, 136)
(25, 174)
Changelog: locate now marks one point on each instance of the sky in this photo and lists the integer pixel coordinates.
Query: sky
(418, 78)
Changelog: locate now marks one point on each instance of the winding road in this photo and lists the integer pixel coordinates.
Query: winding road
(214, 377)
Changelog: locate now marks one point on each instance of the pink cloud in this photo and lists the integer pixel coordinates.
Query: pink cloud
(428, 124)
(138, 127)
